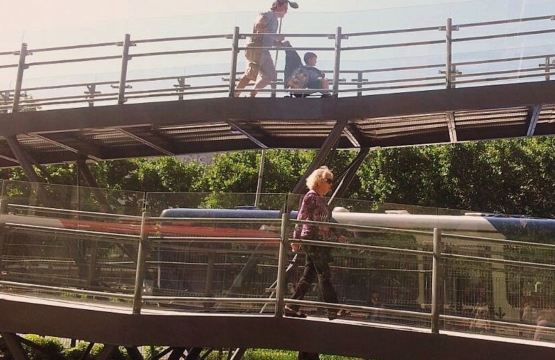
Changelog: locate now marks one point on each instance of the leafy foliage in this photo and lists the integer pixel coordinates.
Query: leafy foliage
(505, 176)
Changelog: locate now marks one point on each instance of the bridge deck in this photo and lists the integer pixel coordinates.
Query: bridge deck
(223, 124)
(112, 324)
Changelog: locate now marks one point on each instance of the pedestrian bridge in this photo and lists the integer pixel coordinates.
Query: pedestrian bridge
(88, 264)
(195, 281)
(464, 85)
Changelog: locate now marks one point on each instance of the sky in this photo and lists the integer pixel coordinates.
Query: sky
(21, 16)
(41, 14)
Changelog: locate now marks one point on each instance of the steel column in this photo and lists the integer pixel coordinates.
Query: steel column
(436, 280)
(19, 80)
(123, 75)
(449, 53)
(337, 61)
(141, 266)
(234, 54)
(282, 261)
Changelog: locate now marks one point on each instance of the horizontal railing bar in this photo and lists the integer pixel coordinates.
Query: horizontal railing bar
(223, 300)
(506, 35)
(226, 239)
(177, 94)
(180, 38)
(71, 47)
(177, 52)
(66, 61)
(518, 58)
(393, 87)
(98, 234)
(397, 31)
(51, 87)
(87, 97)
(355, 307)
(223, 220)
(66, 289)
(359, 246)
(312, 48)
(8, 66)
(385, 46)
(499, 241)
(85, 84)
(296, 35)
(499, 78)
(499, 22)
(72, 211)
(499, 261)
(73, 102)
(439, 77)
(539, 72)
(178, 76)
(399, 68)
(359, 227)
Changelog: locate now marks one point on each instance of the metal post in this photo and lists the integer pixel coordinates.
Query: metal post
(449, 58)
(359, 85)
(547, 67)
(19, 81)
(282, 260)
(234, 54)
(260, 178)
(123, 75)
(436, 280)
(336, 65)
(91, 92)
(181, 86)
(141, 266)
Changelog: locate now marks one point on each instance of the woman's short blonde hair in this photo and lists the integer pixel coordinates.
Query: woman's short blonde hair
(317, 175)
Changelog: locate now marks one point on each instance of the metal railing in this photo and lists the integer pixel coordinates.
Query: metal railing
(425, 276)
(443, 56)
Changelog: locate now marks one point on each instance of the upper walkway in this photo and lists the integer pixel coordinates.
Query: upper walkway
(444, 83)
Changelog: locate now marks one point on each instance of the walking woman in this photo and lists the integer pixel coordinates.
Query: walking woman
(313, 208)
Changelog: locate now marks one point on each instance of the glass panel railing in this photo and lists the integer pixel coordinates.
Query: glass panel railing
(199, 252)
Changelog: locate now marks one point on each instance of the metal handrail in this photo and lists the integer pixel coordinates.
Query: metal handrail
(400, 77)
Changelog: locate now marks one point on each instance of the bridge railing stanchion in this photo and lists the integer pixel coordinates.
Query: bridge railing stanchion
(124, 63)
(282, 259)
(234, 54)
(21, 66)
(141, 265)
(436, 280)
(337, 61)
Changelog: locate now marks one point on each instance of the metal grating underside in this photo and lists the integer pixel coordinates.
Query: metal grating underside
(236, 124)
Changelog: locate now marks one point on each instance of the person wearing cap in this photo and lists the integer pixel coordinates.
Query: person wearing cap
(260, 65)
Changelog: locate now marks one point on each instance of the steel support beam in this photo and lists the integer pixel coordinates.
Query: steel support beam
(162, 148)
(347, 177)
(532, 119)
(322, 154)
(107, 352)
(451, 127)
(177, 353)
(22, 158)
(134, 353)
(247, 134)
(193, 353)
(13, 342)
